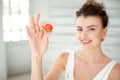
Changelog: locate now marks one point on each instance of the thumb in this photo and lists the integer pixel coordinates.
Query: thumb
(46, 36)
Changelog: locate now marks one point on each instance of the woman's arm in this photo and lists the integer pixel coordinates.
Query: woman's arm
(36, 68)
(38, 40)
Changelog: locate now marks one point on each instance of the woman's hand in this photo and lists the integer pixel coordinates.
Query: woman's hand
(38, 38)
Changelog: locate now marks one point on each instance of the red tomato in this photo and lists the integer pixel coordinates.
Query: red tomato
(48, 28)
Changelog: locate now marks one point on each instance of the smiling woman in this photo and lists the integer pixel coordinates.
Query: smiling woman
(90, 63)
(90, 29)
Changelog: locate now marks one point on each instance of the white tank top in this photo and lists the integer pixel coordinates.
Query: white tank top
(102, 75)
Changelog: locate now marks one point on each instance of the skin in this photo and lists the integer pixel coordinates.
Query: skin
(89, 60)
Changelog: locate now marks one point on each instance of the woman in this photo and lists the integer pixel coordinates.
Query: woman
(90, 63)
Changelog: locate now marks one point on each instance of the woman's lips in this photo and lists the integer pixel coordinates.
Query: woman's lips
(85, 42)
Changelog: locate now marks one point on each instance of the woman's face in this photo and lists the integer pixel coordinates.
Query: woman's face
(90, 31)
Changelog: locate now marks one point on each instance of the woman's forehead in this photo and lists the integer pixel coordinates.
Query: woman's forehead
(88, 20)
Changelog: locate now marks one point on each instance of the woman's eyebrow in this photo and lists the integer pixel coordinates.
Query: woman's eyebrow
(91, 26)
(79, 27)
(87, 26)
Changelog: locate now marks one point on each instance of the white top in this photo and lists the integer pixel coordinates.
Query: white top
(102, 75)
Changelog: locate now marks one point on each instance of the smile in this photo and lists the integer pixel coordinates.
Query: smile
(85, 42)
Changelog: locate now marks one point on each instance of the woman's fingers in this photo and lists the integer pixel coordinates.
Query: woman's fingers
(46, 36)
(37, 18)
(37, 29)
(37, 22)
(28, 32)
(41, 26)
(32, 25)
(41, 30)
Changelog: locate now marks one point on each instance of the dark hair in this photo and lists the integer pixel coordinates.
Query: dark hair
(92, 8)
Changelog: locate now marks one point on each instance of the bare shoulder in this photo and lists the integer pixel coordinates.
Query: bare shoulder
(115, 74)
(117, 69)
(63, 57)
(57, 67)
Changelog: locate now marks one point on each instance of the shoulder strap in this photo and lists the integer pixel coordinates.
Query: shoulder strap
(70, 68)
(104, 74)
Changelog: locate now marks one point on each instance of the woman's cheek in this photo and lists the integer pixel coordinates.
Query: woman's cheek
(78, 37)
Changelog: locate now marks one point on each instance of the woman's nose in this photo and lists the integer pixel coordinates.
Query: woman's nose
(84, 34)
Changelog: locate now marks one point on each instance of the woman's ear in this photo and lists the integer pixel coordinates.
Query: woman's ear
(105, 30)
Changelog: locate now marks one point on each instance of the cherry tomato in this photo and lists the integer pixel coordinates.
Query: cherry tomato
(48, 28)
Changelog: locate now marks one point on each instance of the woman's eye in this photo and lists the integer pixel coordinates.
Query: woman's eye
(79, 29)
(92, 29)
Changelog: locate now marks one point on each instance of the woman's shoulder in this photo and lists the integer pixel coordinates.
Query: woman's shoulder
(115, 74)
(117, 68)
(62, 58)
(64, 55)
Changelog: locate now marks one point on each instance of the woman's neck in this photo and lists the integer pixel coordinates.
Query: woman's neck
(92, 55)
